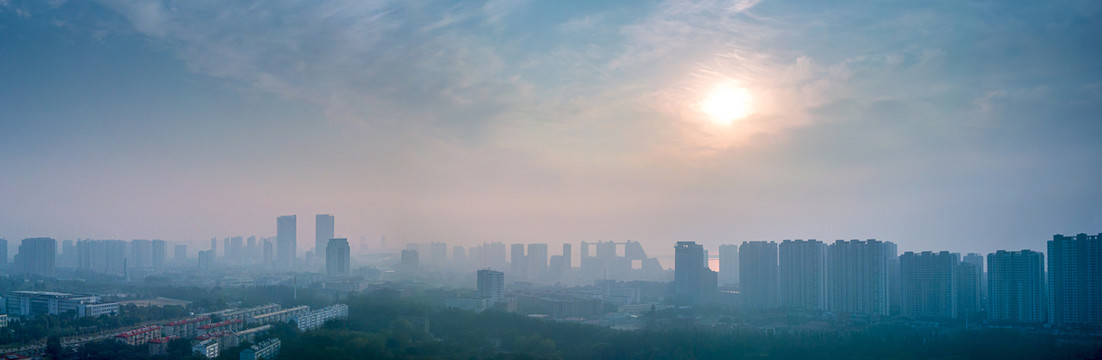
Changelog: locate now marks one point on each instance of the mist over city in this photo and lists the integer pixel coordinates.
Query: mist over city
(517, 179)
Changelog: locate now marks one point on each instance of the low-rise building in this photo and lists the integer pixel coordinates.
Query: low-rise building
(32, 303)
(186, 328)
(315, 319)
(267, 349)
(284, 315)
(207, 348)
(476, 305)
(251, 334)
(228, 325)
(139, 336)
(159, 346)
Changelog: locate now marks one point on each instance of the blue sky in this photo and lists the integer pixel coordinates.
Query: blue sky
(956, 125)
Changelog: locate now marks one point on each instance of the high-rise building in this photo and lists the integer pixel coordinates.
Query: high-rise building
(337, 257)
(68, 257)
(536, 261)
(728, 264)
(491, 284)
(758, 274)
(251, 251)
(981, 274)
(159, 251)
(517, 265)
(214, 245)
(206, 259)
(4, 255)
(1075, 280)
(323, 231)
(1016, 285)
(286, 241)
(688, 263)
(858, 282)
(802, 274)
(269, 253)
(928, 281)
(567, 257)
(37, 256)
(141, 254)
(179, 253)
(693, 280)
(966, 281)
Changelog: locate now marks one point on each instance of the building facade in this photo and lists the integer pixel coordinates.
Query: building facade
(802, 274)
(1016, 286)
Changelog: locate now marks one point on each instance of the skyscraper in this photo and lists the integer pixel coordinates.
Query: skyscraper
(337, 257)
(967, 283)
(728, 264)
(1016, 286)
(141, 254)
(758, 274)
(802, 274)
(517, 265)
(4, 255)
(268, 252)
(323, 231)
(491, 284)
(286, 241)
(928, 280)
(159, 251)
(981, 274)
(688, 262)
(1075, 279)
(567, 257)
(858, 282)
(37, 256)
(536, 261)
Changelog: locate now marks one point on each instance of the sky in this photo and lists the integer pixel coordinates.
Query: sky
(957, 125)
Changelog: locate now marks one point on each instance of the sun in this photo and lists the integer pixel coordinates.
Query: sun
(726, 104)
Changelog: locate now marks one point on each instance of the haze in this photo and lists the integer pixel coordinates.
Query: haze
(945, 125)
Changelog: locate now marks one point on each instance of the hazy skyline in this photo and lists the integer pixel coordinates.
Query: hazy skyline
(949, 125)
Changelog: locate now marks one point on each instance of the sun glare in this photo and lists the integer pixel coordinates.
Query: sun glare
(727, 104)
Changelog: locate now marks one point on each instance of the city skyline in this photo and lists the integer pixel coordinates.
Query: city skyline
(959, 126)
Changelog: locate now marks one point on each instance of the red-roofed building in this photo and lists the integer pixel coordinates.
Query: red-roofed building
(139, 336)
(159, 346)
(186, 328)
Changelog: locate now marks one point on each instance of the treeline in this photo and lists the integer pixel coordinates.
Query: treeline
(392, 328)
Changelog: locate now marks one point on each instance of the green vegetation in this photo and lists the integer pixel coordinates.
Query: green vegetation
(391, 328)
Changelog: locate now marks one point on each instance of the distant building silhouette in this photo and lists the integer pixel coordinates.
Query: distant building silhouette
(159, 250)
(141, 254)
(286, 242)
(758, 274)
(728, 264)
(206, 259)
(693, 280)
(802, 274)
(323, 231)
(1016, 284)
(1075, 279)
(4, 255)
(859, 272)
(928, 284)
(337, 257)
(37, 256)
(536, 262)
(517, 265)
